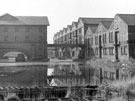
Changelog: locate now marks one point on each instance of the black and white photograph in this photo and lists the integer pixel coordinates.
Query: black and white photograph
(67, 50)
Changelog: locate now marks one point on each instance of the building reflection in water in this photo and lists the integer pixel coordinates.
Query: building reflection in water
(60, 74)
(74, 74)
(23, 76)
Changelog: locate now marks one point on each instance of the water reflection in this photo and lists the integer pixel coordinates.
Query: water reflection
(70, 74)
(18, 76)
(60, 74)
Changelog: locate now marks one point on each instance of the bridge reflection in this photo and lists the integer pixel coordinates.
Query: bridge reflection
(23, 76)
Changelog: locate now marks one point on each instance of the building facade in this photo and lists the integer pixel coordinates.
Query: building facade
(24, 34)
(106, 38)
(110, 40)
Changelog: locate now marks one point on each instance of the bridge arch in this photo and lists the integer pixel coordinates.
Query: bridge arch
(5, 50)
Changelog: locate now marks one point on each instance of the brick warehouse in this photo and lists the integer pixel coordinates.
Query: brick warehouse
(111, 39)
(108, 41)
(26, 34)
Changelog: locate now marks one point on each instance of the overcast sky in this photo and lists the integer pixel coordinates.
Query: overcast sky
(62, 12)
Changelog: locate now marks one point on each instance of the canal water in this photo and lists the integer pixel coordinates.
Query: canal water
(35, 74)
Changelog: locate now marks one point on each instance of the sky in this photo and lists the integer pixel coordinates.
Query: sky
(63, 12)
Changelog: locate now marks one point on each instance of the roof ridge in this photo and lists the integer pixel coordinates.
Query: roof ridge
(124, 14)
(30, 16)
(95, 18)
(8, 19)
(129, 19)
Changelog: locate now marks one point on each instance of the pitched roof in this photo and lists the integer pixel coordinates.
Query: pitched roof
(58, 33)
(64, 29)
(8, 19)
(93, 28)
(128, 18)
(106, 23)
(69, 26)
(61, 31)
(75, 23)
(94, 20)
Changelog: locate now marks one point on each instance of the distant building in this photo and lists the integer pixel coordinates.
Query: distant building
(51, 52)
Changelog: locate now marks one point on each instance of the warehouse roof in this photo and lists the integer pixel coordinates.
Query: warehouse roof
(94, 20)
(8, 19)
(106, 23)
(129, 19)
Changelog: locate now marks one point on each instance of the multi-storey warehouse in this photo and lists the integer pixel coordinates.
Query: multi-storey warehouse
(77, 32)
(107, 39)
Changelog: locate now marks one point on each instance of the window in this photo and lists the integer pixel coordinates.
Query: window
(110, 37)
(104, 51)
(105, 74)
(96, 51)
(96, 40)
(123, 50)
(111, 52)
(76, 41)
(70, 42)
(79, 41)
(80, 31)
(97, 73)
(92, 42)
(89, 41)
(70, 35)
(104, 39)
(112, 75)
(75, 34)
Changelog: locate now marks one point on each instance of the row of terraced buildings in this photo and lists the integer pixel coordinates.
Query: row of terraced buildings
(111, 39)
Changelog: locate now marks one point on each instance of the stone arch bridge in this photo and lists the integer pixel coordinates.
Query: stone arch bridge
(5, 49)
(30, 50)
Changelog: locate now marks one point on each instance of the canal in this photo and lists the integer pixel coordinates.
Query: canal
(33, 81)
(42, 74)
